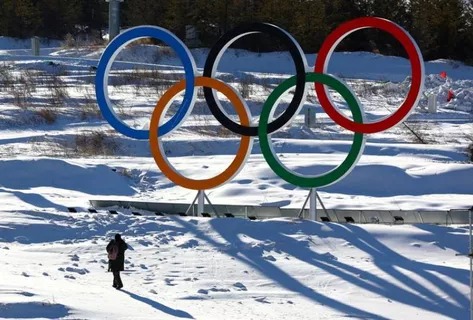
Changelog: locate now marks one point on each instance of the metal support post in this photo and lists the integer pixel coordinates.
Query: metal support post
(301, 212)
(210, 203)
(312, 199)
(191, 207)
(200, 202)
(313, 204)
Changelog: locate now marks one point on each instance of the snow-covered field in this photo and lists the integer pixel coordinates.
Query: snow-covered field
(53, 143)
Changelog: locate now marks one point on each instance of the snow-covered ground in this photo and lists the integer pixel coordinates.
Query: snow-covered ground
(190, 267)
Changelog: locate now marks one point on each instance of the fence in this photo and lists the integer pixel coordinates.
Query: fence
(453, 216)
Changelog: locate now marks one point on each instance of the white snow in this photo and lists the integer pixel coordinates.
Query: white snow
(54, 262)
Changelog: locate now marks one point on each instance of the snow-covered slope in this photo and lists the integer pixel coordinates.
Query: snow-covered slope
(197, 268)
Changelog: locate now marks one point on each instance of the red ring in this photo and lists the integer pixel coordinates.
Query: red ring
(417, 70)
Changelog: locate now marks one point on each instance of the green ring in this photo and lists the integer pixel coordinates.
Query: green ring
(335, 174)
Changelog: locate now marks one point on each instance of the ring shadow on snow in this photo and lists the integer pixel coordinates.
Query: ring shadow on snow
(389, 181)
(159, 306)
(383, 257)
(33, 310)
(34, 199)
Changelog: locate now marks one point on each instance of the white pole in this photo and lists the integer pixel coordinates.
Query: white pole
(35, 46)
(200, 202)
(313, 204)
(113, 18)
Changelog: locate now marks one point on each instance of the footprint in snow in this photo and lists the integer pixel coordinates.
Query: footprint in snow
(145, 243)
(169, 282)
(240, 286)
(347, 244)
(262, 300)
(189, 244)
(330, 256)
(269, 258)
(77, 270)
(191, 279)
(203, 291)
(219, 290)
(74, 257)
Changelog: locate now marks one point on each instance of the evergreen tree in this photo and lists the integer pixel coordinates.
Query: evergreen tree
(442, 28)
(340, 11)
(380, 41)
(93, 14)
(21, 18)
(309, 24)
(466, 35)
(141, 12)
(210, 17)
(177, 16)
(59, 17)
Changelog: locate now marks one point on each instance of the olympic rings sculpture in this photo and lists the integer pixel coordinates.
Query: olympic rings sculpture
(246, 129)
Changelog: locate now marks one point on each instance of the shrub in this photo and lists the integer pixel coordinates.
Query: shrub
(69, 41)
(94, 143)
(89, 109)
(49, 115)
(246, 88)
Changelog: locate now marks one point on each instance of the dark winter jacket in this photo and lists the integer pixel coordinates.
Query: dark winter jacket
(119, 263)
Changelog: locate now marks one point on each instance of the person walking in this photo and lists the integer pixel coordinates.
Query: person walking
(116, 255)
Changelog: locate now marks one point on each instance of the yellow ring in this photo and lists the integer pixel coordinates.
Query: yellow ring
(157, 150)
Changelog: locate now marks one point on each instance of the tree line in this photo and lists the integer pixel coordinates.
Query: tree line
(442, 28)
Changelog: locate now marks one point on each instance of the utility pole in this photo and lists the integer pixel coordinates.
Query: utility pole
(113, 18)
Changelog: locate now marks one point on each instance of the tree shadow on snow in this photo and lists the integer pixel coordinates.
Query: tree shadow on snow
(256, 261)
(276, 236)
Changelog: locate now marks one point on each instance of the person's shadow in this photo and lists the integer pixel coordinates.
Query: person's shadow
(159, 306)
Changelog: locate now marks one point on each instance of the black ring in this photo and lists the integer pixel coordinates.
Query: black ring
(223, 43)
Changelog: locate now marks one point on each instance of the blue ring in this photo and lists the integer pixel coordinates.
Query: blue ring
(104, 65)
